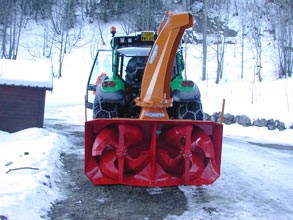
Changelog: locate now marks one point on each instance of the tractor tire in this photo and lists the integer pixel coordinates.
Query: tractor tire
(104, 110)
(189, 110)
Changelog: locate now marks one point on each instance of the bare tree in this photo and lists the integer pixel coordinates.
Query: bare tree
(204, 42)
(14, 16)
(127, 24)
(62, 20)
(142, 15)
(148, 14)
(222, 8)
(243, 34)
(243, 29)
(282, 24)
(255, 20)
(41, 9)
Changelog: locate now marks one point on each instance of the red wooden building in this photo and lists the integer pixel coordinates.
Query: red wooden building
(23, 86)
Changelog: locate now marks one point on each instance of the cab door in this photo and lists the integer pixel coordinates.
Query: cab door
(102, 64)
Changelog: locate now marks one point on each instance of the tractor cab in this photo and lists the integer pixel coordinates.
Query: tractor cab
(119, 69)
(117, 74)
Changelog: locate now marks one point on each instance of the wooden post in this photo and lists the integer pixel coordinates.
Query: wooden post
(222, 113)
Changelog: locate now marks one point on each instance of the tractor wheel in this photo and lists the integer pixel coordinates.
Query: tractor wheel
(104, 110)
(189, 110)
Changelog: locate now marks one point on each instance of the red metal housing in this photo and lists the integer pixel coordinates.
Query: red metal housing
(152, 153)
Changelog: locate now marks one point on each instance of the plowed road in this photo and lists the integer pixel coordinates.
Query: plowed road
(256, 183)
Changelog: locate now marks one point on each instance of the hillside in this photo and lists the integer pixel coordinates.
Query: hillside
(237, 69)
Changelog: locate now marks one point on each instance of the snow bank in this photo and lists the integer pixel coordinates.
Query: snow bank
(29, 170)
(259, 134)
(271, 98)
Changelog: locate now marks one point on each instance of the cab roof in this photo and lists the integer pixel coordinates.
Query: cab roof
(139, 39)
(135, 51)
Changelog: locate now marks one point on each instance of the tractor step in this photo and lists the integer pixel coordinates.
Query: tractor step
(152, 153)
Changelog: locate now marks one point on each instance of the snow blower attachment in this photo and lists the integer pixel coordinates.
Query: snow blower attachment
(151, 150)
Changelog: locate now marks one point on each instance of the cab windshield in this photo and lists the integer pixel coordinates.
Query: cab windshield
(132, 62)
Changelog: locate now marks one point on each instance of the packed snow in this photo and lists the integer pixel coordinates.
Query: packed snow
(30, 163)
(28, 172)
(26, 73)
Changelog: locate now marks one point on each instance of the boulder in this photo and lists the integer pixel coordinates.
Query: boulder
(229, 119)
(280, 125)
(243, 120)
(207, 117)
(271, 124)
(216, 116)
(260, 122)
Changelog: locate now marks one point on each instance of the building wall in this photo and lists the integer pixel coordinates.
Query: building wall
(21, 107)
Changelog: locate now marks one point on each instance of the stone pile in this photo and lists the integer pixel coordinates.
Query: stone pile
(244, 120)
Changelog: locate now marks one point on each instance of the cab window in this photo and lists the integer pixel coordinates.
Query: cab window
(103, 64)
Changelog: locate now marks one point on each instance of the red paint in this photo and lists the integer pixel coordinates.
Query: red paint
(152, 153)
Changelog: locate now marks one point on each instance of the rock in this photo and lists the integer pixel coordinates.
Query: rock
(216, 116)
(280, 125)
(260, 122)
(243, 120)
(8, 163)
(271, 124)
(229, 119)
(207, 117)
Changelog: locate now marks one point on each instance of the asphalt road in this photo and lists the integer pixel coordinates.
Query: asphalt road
(86, 201)
(255, 183)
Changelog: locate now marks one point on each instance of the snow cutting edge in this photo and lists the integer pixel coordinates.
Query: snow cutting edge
(152, 153)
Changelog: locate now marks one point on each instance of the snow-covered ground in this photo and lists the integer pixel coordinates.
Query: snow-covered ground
(30, 165)
(255, 184)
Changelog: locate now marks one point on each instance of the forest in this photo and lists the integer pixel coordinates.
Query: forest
(62, 22)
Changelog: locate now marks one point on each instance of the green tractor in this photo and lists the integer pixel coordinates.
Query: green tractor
(116, 76)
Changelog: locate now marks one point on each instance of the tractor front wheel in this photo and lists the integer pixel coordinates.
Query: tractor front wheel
(188, 110)
(104, 110)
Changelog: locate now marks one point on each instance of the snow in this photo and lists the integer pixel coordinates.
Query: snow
(30, 166)
(26, 73)
(267, 194)
(271, 98)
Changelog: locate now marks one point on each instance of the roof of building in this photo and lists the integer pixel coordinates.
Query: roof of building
(26, 73)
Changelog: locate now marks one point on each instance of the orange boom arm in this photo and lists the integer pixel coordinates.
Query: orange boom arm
(155, 89)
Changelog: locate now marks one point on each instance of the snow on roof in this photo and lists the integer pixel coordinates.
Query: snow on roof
(135, 51)
(26, 73)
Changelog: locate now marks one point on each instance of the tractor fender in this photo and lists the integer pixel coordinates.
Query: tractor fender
(184, 96)
(110, 97)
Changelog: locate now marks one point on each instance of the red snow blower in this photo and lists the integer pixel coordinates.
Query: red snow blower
(148, 127)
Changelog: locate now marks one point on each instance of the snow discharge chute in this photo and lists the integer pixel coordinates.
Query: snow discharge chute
(155, 150)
